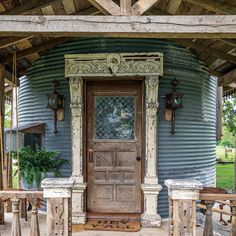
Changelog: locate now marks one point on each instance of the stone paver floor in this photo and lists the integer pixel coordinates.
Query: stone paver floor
(6, 229)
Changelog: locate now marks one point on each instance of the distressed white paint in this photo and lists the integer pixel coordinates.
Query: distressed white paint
(78, 208)
(76, 105)
(107, 65)
(150, 217)
(183, 195)
(57, 187)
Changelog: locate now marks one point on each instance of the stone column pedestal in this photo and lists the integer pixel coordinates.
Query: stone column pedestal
(79, 215)
(58, 193)
(150, 217)
(183, 195)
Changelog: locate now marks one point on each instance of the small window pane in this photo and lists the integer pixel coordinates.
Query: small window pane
(114, 117)
(33, 140)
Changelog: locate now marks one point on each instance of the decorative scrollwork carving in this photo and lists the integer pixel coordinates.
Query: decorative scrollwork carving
(123, 64)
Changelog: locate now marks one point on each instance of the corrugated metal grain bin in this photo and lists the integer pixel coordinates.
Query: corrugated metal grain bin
(190, 153)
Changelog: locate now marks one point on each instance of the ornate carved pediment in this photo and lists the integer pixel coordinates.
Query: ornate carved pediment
(119, 64)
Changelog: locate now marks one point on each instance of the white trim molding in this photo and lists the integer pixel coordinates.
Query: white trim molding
(115, 65)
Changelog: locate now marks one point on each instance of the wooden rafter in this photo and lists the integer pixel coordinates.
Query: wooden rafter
(141, 6)
(209, 50)
(89, 11)
(6, 42)
(228, 79)
(29, 6)
(173, 6)
(38, 48)
(215, 6)
(125, 7)
(106, 7)
(231, 42)
(122, 26)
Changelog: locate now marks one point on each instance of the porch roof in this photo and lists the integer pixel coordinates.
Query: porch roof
(218, 53)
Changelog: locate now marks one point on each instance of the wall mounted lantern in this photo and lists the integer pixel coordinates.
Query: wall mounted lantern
(173, 101)
(56, 103)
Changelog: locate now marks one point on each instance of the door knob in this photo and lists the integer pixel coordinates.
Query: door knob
(138, 158)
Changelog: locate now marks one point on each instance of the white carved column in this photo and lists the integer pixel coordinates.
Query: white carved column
(150, 187)
(76, 93)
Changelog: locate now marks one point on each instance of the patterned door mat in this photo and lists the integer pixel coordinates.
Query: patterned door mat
(113, 225)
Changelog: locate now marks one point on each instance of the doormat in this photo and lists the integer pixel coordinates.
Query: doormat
(113, 225)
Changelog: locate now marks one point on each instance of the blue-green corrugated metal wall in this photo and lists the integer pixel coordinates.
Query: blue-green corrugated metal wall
(190, 153)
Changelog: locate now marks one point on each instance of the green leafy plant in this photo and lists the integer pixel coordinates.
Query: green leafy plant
(35, 162)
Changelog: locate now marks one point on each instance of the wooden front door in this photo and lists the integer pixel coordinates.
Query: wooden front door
(114, 126)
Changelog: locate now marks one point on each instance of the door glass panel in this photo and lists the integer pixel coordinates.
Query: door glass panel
(114, 117)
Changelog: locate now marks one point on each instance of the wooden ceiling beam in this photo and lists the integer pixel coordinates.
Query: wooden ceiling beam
(212, 51)
(29, 6)
(123, 26)
(215, 6)
(228, 79)
(106, 7)
(35, 49)
(141, 6)
(6, 42)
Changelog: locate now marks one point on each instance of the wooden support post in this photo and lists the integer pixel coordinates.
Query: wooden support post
(233, 205)
(208, 228)
(23, 210)
(183, 195)
(58, 194)
(16, 229)
(2, 114)
(34, 226)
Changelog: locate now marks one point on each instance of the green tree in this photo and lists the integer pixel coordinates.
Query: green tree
(229, 117)
(7, 123)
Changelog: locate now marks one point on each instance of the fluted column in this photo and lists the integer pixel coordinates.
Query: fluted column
(150, 187)
(76, 105)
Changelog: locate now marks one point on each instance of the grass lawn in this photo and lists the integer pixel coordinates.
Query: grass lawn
(225, 176)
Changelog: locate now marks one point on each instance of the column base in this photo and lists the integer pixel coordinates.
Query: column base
(151, 221)
(150, 217)
(79, 216)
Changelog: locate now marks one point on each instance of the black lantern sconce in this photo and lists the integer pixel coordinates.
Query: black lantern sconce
(173, 101)
(56, 103)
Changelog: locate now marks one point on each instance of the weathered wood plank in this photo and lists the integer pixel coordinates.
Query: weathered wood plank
(38, 48)
(10, 41)
(29, 6)
(215, 6)
(106, 7)
(2, 111)
(210, 196)
(141, 6)
(173, 6)
(228, 78)
(113, 26)
(125, 7)
(211, 51)
(20, 194)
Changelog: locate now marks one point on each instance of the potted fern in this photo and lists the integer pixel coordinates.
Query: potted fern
(36, 164)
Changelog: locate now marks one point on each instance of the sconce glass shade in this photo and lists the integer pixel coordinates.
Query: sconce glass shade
(55, 101)
(174, 100)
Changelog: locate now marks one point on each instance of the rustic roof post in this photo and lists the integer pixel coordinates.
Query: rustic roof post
(58, 194)
(2, 114)
(150, 187)
(183, 195)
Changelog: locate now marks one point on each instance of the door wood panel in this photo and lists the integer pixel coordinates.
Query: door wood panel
(114, 126)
